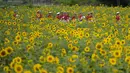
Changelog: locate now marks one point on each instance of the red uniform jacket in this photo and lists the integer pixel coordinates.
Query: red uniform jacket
(58, 17)
(117, 17)
(73, 17)
(14, 14)
(49, 16)
(80, 16)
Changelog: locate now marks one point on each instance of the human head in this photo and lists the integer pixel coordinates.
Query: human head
(117, 13)
(50, 12)
(91, 13)
(38, 11)
(58, 13)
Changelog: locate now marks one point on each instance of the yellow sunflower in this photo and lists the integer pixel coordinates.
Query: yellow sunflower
(115, 70)
(27, 71)
(9, 71)
(9, 50)
(117, 53)
(112, 61)
(24, 34)
(56, 60)
(127, 59)
(59, 72)
(15, 43)
(6, 40)
(75, 41)
(50, 45)
(43, 71)
(69, 45)
(74, 56)
(6, 68)
(31, 40)
(36, 67)
(70, 70)
(60, 68)
(86, 49)
(50, 58)
(63, 50)
(14, 23)
(18, 68)
(81, 35)
(103, 52)
(42, 59)
(12, 64)
(3, 53)
(120, 48)
(74, 48)
(88, 42)
(18, 38)
(94, 57)
(87, 35)
(7, 32)
(9, 23)
(98, 46)
(28, 47)
(123, 42)
(18, 60)
(118, 42)
(71, 60)
(102, 64)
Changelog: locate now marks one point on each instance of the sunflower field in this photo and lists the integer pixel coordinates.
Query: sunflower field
(28, 45)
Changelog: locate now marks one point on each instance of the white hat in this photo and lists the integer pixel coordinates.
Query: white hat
(50, 12)
(117, 12)
(38, 11)
(82, 17)
(58, 12)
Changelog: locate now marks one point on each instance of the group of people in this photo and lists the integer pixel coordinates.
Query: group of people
(64, 16)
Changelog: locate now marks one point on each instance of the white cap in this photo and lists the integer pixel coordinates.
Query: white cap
(58, 12)
(117, 12)
(50, 12)
(38, 11)
(83, 17)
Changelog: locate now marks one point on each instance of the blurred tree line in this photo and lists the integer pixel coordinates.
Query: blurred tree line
(95, 2)
(80, 2)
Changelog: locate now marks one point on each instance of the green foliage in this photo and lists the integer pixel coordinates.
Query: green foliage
(80, 2)
(95, 2)
(73, 2)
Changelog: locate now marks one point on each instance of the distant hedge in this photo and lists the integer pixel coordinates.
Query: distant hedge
(79, 2)
(95, 2)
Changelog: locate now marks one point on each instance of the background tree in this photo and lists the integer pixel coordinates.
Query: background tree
(95, 2)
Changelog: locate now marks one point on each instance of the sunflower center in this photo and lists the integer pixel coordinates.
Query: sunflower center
(9, 71)
(18, 69)
(18, 60)
(127, 60)
(73, 48)
(70, 70)
(3, 53)
(118, 43)
(113, 61)
(9, 50)
(103, 52)
(99, 46)
(117, 53)
(50, 58)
